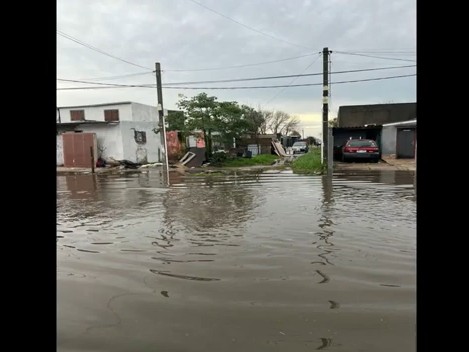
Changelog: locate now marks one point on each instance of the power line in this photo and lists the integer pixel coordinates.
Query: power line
(102, 87)
(285, 76)
(396, 52)
(296, 85)
(78, 41)
(246, 87)
(107, 84)
(118, 77)
(243, 79)
(248, 27)
(241, 66)
(409, 53)
(292, 81)
(239, 79)
(372, 56)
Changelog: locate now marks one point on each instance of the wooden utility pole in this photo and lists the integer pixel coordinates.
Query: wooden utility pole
(92, 159)
(325, 105)
(161, 120)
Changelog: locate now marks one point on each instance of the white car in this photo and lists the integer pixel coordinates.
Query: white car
(300, 147)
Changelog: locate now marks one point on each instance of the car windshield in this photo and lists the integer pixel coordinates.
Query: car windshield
(361, 143)
(299, 144)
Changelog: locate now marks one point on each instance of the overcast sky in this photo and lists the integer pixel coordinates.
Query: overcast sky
(200, 40)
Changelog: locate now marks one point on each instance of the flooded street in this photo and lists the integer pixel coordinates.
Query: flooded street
(260, 262)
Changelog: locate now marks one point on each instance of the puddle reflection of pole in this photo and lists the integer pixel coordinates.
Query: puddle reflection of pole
(325, 220)
(327, 190)
(95, 186)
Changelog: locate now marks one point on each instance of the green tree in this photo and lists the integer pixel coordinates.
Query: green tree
(295, 134)
(312, 140)
(200, 113)
(231, 122)
(254, 118)
(176, 120)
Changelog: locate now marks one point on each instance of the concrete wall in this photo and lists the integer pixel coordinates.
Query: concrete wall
(60, 150)
(379, 114)
(96, 113)
(136, 152)
(109, 139)
(141, 112)
(388, 140)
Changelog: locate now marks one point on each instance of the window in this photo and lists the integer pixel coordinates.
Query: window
(140, 137)
(111, 115)
(361, 143)
(77, 115)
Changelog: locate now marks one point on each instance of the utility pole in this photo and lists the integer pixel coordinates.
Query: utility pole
(325, 104)
(161, 120)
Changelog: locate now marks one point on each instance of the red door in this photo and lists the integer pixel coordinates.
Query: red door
(76, 149)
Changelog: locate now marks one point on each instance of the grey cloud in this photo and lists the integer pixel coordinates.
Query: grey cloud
(183, 35)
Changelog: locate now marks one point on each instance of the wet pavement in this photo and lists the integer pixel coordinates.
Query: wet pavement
(268, 261)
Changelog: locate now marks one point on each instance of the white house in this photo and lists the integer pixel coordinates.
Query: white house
(399, 138)
(124, 130)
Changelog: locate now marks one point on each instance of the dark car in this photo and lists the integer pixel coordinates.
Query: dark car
(361, 149)
(300, 147)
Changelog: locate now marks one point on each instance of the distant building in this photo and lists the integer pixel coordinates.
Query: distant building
(399, 138)
(392, 126)
(257, 144)
(124, 130)
(375, 114)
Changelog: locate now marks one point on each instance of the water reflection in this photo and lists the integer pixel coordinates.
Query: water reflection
(325, 223)
(325, 342)
(185, 277)
(208, 205)
(236, 262)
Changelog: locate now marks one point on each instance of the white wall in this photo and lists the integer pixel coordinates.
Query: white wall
(134, 151)
(96, 113)
(117, 139)
(141, 112)
(109, 139)
(60, 150)
(388, 140)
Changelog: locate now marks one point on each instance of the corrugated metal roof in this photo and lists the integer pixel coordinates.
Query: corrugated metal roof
(91, 122)
(408, 122)
(359, 127)
(95, 105)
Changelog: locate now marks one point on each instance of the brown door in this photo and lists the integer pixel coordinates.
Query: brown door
(76, 149)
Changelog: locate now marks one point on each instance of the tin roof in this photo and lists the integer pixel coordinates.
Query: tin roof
(408, 122)
(86, 122)
(95, 105)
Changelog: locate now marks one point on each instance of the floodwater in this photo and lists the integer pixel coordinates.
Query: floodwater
(260, 262)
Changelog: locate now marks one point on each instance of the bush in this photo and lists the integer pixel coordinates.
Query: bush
(218, 159)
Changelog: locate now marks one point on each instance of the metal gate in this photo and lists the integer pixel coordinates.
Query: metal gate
(76, 149)
(405, 146)
(254, 149)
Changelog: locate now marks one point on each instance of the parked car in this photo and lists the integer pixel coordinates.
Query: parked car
(361, 149)
(300, 147)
